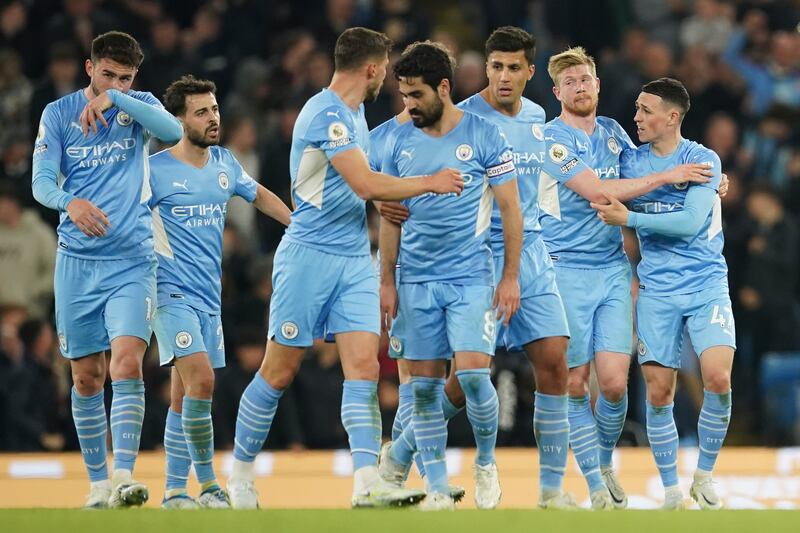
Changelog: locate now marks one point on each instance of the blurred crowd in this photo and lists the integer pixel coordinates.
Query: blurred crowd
(740, 61)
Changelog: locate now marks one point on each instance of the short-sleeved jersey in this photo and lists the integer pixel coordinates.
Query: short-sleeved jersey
(677, 265)
(189, 206)
(378, 137)
(525, 133)
(447, 237)
(328, 215)
(109, 168)
(573, 234)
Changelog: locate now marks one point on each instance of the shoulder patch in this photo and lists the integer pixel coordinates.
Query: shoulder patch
(558, 153)
(337, 131)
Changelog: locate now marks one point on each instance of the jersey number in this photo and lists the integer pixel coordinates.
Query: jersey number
(719, 318)
(489, 326)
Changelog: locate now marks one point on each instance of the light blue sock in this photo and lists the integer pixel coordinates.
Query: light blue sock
(712, 427)
(179, 462)
(256, 411)
(583, 439)
(448, 409)
(405, 406)
(430, 431)
(361, 419)
(610, 418)
(482, 411)
(199, 433)
(551, 428)
(403, 418)
(663, 437)
(89, 414)
(127, 415)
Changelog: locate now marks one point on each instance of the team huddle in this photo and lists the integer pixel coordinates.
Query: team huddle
(499, 232)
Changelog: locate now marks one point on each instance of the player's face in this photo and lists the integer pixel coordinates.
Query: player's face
(422, 102)
(108, 74)
(378, 73)
(653, 117)
(578, 90)
(508, 72)
(201, 120)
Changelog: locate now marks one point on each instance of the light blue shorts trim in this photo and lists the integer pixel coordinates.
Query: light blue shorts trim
(599, 311)
(317, 295)
(660, 321)
(436, 319)
(100, 300)
(541, 312)
(182, 330)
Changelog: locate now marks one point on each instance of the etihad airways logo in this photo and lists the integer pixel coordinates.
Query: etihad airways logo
(198, 215)
(101, 150)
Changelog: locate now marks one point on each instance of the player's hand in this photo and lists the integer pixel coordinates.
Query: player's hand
(506, 298)
(723, 186)
(446, 181)
(93, 111)
(614, 213)
(393, 212)
(87, 217)
(694, 172)
(388, 305)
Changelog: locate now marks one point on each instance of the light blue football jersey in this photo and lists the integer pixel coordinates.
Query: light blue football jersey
(328, 216)
(189, 206)
(447, 237)
(525, 133)
(109, 168)
(573, 234)
(377, 142)
(677, 265)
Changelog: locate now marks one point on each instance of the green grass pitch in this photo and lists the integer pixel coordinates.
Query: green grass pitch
(389, 521)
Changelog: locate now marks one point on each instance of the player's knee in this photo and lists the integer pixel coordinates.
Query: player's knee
(577, 385)
(614, 388)
(125, 365)
(718, 381)
(280, 378)
(201, 386)
(552, 373)
(659, 396)
(88, 382)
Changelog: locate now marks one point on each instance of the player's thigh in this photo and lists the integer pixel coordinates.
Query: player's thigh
(179, 333)
(79, 305)
(355, 307)
(659, 328)
(281, 364)
(304, 281)
(710, 322)
(541, 312)
(419, 332)
(358, 352)
(132, 301)
(196, 374)
(716, 364)
(613, 320)
(471, 321)
(176, 391)
(581, 296)
(403, 372)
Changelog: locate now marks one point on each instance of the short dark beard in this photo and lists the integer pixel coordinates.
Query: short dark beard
(426, 121)
(199, 140)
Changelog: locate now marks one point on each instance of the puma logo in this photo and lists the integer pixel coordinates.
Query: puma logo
(408, 153)
(179, 184)
(333, 114)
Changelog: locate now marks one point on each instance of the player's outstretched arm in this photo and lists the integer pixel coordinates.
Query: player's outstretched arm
(685, 223)
(389, 244)
(370, 185)
(590, 186)
(268, 203)
(507, 293)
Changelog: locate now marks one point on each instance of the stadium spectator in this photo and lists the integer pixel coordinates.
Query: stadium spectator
(27, 256)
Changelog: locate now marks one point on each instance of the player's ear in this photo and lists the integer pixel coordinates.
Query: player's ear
(444, 88)
(372, 70)
(531, 71)
(89, 66)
